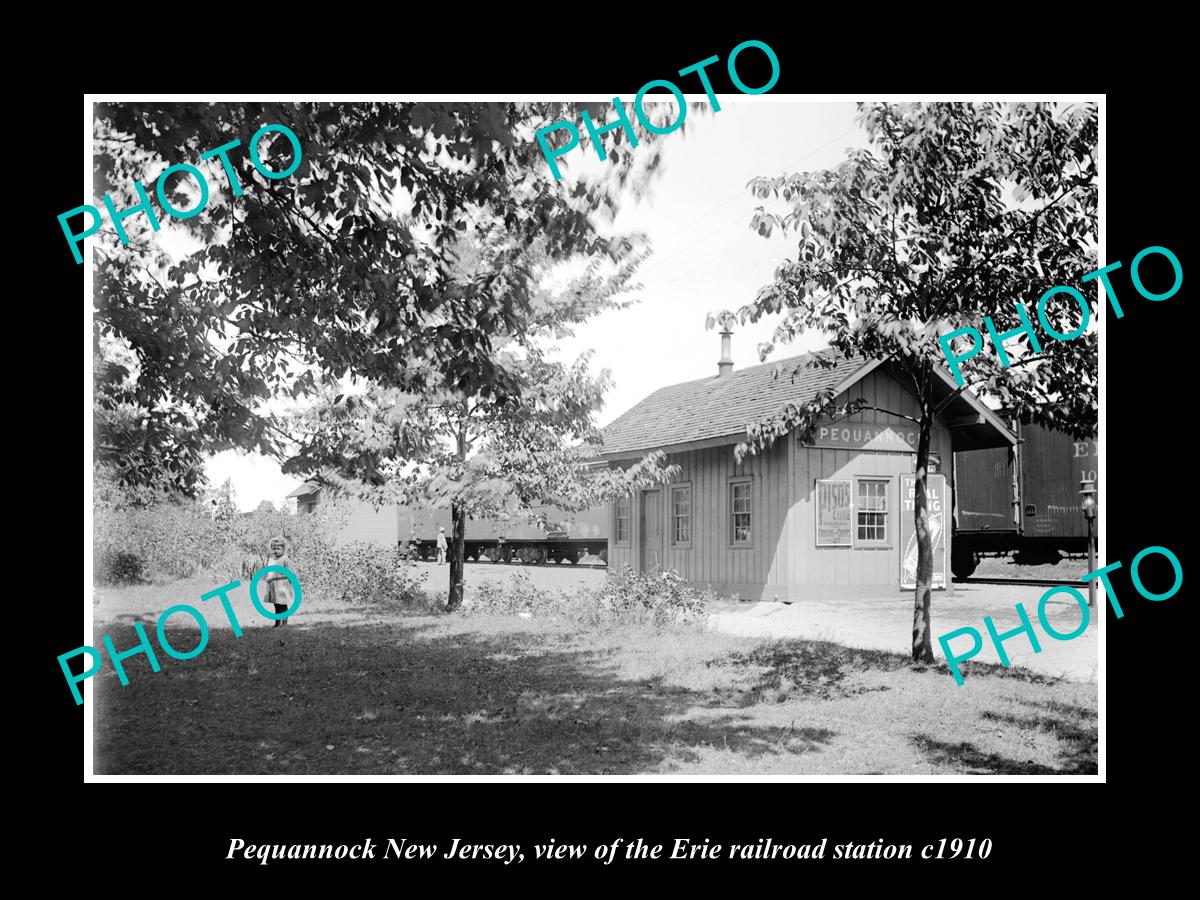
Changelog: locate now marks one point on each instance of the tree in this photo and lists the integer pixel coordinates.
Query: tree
(956, 212)
(222, 500)
(333, 270)
(481, 454)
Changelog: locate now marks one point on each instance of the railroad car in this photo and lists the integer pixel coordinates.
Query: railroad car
(568, 536)
(1024, 499)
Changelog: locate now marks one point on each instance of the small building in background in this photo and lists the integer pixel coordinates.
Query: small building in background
(830, 516)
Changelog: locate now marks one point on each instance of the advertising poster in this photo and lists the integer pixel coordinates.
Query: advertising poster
(834, 513)
(938, 511)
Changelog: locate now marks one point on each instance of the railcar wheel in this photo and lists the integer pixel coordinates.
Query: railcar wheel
(963, 562)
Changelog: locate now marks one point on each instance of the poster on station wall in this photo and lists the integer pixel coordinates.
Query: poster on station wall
(833, 513)
(939, 512)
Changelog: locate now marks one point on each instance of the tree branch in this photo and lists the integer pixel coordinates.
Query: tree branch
(968, 384)
(889, 412)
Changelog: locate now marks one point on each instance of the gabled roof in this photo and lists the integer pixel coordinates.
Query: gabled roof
(309, 487)
(720, 407)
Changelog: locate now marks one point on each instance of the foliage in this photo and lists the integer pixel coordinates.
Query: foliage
(122, 567)
(959, 210)
(658, 598)
(486, 454)
(480, 453)
(366, 575)
(515, 595)
(338, 269)
(169, 537)
(661, 597)
(138, 446)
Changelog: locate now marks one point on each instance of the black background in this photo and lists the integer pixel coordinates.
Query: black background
(117, 830)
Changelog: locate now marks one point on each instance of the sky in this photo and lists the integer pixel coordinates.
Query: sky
(705, 259)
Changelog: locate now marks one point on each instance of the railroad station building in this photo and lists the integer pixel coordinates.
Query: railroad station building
(827, 518)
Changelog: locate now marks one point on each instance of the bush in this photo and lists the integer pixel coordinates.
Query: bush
(518, 595)
(122, 567)
(657, 598)
(365, 575)
(140, 537)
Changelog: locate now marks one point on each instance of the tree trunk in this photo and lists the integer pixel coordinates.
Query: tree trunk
(458, 541)
(458, 537)
(922, 647)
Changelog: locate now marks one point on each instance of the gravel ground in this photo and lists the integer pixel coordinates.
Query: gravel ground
(885, 623)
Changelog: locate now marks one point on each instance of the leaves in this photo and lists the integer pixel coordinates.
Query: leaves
(916, 230)
(442, 443)
(302, 281)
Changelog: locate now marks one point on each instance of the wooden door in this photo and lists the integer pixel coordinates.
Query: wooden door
(650, 535)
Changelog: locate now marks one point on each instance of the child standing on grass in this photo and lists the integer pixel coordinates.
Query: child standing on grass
(279, 588)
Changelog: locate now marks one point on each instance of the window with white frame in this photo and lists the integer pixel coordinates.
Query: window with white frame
(740, 512)
(871, 511)
(621, 525)
(681, 514)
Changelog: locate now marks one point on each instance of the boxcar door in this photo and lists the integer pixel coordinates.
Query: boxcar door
(650, 536)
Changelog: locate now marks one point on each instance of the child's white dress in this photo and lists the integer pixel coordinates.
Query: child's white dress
(279, 588)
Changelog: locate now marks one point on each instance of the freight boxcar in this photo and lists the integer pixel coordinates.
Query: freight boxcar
(572, 537)
(1025, 499)
(568, 536)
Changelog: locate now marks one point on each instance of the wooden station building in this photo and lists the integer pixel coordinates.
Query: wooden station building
(827, 518)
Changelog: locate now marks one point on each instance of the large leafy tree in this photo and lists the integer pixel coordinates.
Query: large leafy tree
(332, 271)
(151, 452)
(479, 453)
(954, 212)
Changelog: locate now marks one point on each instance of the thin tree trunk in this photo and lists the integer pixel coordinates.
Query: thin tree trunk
(458, 528)
(458, 537)
(922, 647)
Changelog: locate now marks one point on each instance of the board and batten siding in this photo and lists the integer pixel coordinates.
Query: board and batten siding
(826, 572)
(710, 559)
(783, 561)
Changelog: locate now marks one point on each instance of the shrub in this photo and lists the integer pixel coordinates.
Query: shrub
(518, 595)
(365, 575)
(122, 567)
(144, 537)
(658, 598)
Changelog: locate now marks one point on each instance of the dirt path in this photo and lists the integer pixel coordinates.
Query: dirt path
(885, 623)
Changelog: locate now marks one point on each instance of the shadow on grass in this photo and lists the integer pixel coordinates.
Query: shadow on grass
(394, 698)
(968, 758)
(824, 670)
(1072, 727)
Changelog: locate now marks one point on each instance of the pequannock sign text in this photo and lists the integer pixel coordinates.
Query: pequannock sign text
(859, 436)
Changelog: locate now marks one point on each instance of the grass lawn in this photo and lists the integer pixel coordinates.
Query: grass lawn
(386, 693)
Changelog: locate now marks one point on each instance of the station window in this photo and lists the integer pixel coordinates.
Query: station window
(681, 515)
(740, 512)
(871, 511)
(621, 527)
